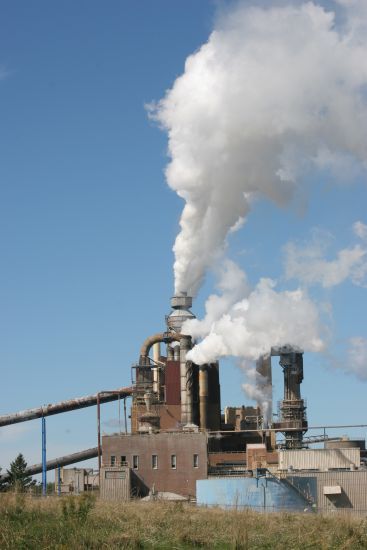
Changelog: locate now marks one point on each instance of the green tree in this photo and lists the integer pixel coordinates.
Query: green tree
(2, 482)
(18, 478)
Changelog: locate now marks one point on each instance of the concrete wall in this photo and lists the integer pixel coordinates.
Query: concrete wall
(263, 494)
(180, 480)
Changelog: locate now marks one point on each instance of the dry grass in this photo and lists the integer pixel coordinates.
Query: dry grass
(76, 523)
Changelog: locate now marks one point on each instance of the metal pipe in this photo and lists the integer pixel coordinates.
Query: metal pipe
(159, 337)
(62, 406)
(176, 353)
(170, 353)
(44, 461)
(99, 431)
(290, 429)
(203, 396)
(186, 397)
(156, 356)
(125, 419)
(61, 461)
(58, 479)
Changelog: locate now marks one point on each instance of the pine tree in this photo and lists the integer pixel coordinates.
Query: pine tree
(18, 478)
(2, 482)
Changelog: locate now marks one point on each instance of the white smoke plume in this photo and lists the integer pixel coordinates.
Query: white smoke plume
(360, 229)
(308, 264)
(258, 389)
(357, 356)
(274, 92)
(248, 328)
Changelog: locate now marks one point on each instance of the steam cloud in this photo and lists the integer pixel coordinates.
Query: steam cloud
(309, 265)
(273, 93)
(250, 327)
(357, 356)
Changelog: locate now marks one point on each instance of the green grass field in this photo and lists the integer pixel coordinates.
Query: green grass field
(78, 522)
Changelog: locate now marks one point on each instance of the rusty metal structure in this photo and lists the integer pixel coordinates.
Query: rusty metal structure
(292, 421)
(181, 395)
(178, 437)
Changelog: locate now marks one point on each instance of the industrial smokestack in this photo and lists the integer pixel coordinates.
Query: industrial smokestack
(180, 304)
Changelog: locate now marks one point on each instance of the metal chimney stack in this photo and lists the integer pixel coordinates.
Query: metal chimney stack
(293, 419)
(180, 304)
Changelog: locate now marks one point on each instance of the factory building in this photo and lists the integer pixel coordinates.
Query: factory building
(181, 444)
(75, 480)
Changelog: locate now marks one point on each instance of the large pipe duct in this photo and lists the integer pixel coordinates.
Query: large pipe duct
(203, 396)
(61, 461)
(64, 406)
(167, 337)
(156, 359)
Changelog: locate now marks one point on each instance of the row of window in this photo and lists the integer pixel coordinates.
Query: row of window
(135, 461)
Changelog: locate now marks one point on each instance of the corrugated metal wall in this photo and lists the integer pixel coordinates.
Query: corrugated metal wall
(319, 459)
(353, 497)
(115, 483)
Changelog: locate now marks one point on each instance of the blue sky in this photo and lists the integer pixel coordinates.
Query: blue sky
(87, 222)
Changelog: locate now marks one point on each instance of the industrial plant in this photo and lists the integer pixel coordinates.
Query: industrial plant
(181, 445)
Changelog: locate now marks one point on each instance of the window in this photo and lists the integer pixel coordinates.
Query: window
(155, 462)
(122, 460)
(173, 462)
(113, 460)
(135, 462)
(196, 461)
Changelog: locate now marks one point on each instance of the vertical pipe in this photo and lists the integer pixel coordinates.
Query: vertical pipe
(156, 356)
(125, 416)
(169, 352)
(185, 345)
(44, 461)
(176, 353)
(59, 480)
(99, 434)
(119, 414)
(203, 397)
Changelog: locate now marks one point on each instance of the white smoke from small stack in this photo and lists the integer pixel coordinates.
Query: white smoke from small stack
(258, 389)
(272, 93)
(249, 327)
